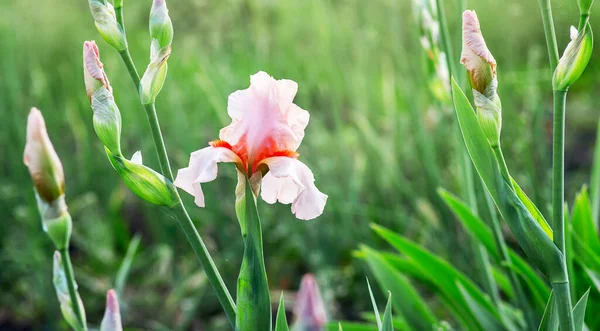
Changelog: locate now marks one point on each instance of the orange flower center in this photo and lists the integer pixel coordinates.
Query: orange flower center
(267, 149)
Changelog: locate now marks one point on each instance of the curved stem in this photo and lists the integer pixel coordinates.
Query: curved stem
(118, 5)
(548, 21)
(66, 262)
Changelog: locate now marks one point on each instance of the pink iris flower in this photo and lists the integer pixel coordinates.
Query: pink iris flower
(266, 130)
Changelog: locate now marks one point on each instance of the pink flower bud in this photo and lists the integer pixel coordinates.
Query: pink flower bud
(309, 310)
(41, 159)
(112, 315)
(476, 57)
(93, 69)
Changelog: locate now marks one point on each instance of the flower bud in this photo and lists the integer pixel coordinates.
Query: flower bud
(107, 117)
(154, 77)
(56, 221)
(309, 310)
(143, 181)
(106, 23)
(575, 58)
(112, 315)
(62, 292)
(481, 66)
(476, 57)
(161, 32)
(41, 159)
(161, 28)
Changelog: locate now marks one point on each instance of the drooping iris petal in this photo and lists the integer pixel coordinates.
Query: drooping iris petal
(202, 169)
(291, 181)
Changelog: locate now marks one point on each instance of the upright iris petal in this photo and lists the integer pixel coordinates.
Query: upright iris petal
(266, 130)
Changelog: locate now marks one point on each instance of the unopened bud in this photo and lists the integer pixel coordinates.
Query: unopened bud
(144, 182)
(107, 117)
(41, 159)
(56, 221)
(161, 32)
(575, 58)
(112, 315)
(154, 77)
(476, 57)
(106, 23)
(309, 309)
(62, 292)
(481, 66)
(161, 28)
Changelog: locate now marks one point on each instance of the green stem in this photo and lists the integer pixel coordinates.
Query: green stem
(206, 261)
(502, 162)
(558, 169)
(66, 259)
(118, 5)
(561, 289)
(564, 305)
(548, 21)
(159, 143)
(131, 68)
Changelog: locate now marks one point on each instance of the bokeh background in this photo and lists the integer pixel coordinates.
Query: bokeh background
(377, 142)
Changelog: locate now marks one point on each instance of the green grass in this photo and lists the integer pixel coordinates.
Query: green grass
(361, 75)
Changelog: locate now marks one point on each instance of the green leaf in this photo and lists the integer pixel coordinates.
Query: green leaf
(349, 326)
(595, 180)
(375, 309)
(579, 311)
(488, 321)
(387, 315)
(594, 277)
(441, 273)
(550, 318)
(281, 322)
(526, 229)
(474, 225)
(535, 283)
(125, 267)
(533, 210)
(253, 299)
(584, 228)
(407, 300)
(477, 144)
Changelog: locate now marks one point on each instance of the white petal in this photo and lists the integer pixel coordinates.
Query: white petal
(202, 169)
(573, 32)
(291, 181)
(137, 157)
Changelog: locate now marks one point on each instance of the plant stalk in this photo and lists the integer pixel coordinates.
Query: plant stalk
(558, 169)
(564, 305)
(126, 56)
(68, 267)
(548, 22)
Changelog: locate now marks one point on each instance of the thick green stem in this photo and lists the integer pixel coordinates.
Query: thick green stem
(66, 262)
(561, 289)
(564, 305)
(558, 169)
(548, 21)
(131, 68)
(206, 261)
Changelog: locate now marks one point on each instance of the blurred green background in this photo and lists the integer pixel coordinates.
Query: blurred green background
(377, 144)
